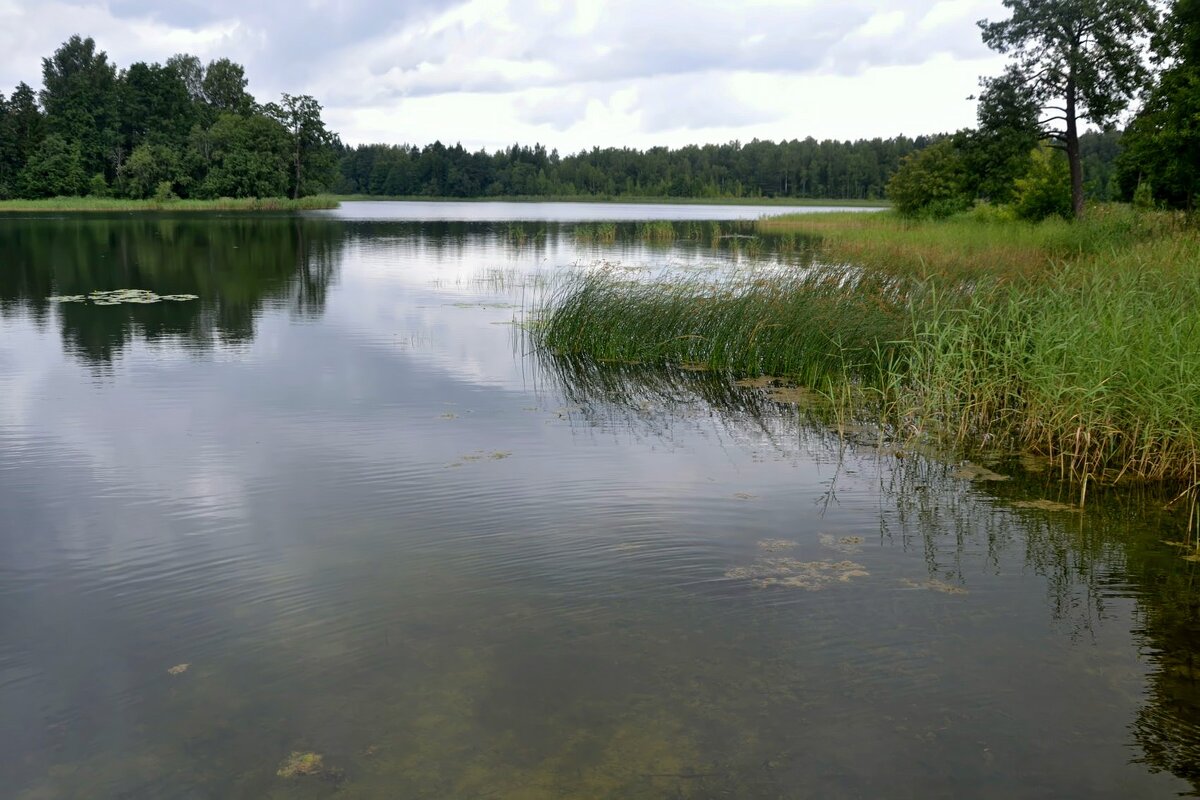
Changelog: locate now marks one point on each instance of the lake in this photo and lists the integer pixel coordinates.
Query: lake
(334, 528)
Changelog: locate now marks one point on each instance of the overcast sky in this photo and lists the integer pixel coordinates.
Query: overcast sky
(571, 75)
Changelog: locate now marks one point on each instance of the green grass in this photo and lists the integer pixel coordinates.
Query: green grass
(62, 204)
(969, 245)
(1076, 341)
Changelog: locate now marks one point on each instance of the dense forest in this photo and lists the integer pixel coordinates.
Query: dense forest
(186, 129)
(180, 129)
(829, 169)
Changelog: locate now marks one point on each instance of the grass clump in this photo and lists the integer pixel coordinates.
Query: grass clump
(63, 204)
(1080, 342)
(807, 324)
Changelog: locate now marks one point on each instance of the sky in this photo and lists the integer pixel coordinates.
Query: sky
(570, 75)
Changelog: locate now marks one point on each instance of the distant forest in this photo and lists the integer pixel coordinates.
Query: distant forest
(188, 129)
(829, 169)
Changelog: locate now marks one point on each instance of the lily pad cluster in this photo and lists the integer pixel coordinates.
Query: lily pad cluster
(116, 297)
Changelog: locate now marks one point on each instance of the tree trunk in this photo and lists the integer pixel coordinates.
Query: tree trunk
(1072, 144)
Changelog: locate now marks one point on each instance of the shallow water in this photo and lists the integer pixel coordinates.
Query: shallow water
(340, 489)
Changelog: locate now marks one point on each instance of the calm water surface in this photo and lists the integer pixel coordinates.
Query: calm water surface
(376, 527)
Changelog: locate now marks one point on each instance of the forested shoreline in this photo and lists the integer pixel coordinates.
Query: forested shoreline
(189, 130)
(185, 129)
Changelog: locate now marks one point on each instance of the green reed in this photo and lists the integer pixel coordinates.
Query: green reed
(1093, 359)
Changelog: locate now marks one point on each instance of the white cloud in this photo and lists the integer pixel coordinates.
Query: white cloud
(570, 74)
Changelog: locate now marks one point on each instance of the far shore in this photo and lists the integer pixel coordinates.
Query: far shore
(702, 201)
(326, 202)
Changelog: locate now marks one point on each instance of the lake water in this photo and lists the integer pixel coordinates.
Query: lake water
(337, 505)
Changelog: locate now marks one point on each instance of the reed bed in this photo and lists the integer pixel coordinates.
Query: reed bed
(93, 204)
(1092, 359)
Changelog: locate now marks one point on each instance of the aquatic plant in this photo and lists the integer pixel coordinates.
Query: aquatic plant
(116, 297)
(1016, 336)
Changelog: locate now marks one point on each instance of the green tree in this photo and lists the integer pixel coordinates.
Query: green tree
(224, 86)
(148, 166)
(311, 144)
(1045, 190)
(931, 182)
(21, 131)
(997, 153)
(79, 96)
(191, 71)
(1078, 60)
(247, 157)
(1162, 144)
(54, 170)
(154, 106)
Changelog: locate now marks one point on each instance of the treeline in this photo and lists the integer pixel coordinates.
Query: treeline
(179, 129)
(832, 170)
(799, 168)
(191, 130)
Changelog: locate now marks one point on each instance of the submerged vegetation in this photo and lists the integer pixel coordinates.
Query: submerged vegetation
(1076, 341)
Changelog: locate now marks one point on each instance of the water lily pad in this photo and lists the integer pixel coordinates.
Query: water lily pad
(115, 297)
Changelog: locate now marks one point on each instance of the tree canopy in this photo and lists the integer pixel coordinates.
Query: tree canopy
(1162, 145)
(1076, 60)
(174, 129)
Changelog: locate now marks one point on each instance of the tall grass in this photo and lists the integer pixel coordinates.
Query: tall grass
(1092, 358)
(981, 242)
(65, 204)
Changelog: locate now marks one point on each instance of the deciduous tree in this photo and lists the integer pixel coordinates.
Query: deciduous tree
(1162, 145)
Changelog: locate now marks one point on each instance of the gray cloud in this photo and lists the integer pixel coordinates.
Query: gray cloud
(547, 61)
(696, 102)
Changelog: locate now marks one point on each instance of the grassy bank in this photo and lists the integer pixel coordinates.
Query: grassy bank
(65, 204)
(972, 244)
(590, 198)
(1076, 341)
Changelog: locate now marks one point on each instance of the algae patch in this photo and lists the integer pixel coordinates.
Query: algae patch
(794, 574)
(776, 545)
(761, 382)
(794, 396)
(977, 472)
(935, 585)
(178, 669)
(843, 544)
(307, 765)
(479, 455)
(1044, 505)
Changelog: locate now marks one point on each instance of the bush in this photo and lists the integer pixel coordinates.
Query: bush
(931, 182)
(1045, 191)
(97, 186)
(164, 192)
(1143, 196)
